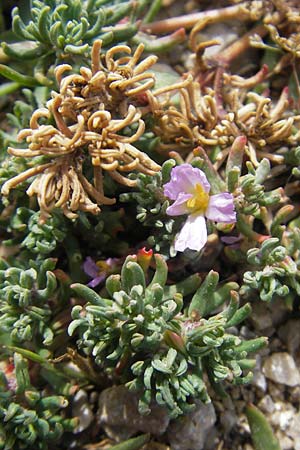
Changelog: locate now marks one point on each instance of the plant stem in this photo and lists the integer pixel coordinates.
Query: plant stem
(189, 20)
(239, 46)
(8, 88)
(160, 44)
(153, 11)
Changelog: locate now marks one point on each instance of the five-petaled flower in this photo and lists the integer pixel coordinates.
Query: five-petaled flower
(190, 188)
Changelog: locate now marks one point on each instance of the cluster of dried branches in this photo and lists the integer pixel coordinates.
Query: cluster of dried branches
(96, 125)
(199, 120)
(98, 114)
(216, 107)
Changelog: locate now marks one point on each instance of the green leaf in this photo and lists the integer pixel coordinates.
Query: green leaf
(8, 88)
(201, 299)
(261, 432)
(132, 444)
(13, 75)
(29, 355)
(161, 272)
(230, 311)
(236, 154)
(88, 294)
(147, 377)
(118, 34)
(262, 171)
(22, 374)
(12, 410)
(185, 287)
(95, 29)
(136, 274)
(157, 364)
(252, 345)
(239, 316)
(113, 284)
(26, 50)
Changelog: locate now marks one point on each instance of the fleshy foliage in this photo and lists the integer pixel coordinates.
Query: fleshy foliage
(140, 335)
(106, 158)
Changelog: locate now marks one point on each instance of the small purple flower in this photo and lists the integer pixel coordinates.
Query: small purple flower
(98, 271)
(190, 188)
(232, 241)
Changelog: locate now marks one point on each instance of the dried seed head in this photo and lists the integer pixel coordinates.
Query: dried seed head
(205, 120)
(91, 112)
(180, 128)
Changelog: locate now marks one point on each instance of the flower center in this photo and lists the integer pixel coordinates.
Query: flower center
(199, 201)
(103, 266)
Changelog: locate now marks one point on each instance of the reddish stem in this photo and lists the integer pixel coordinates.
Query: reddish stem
(189, 20)
(239, 46)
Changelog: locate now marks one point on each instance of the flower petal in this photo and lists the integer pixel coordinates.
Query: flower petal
(192, 235)
(111, 262)
(179, 206)
(90, 267)
(93, 283)
(231, 239)
(221, 208)
(183, 179)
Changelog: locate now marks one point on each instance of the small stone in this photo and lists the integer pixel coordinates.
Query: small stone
(281, 368)
(286, 443)
(294, 429)
(94, 397)
(290, 335)
(190, 431)
(81, 409)
(278, 312)
(248, 447)
(243, 423)
(228, 420)
(246, 333)
(275, 419)
(259, 380)
(276, 391)
(268, 332)
(239, 406)
(295, 394)
(282, 416)
(260, 316)
(119, 416)
(212, 439)
(235, 393)
(275, 345)
(248, 395)
(267, 405)
(286, 417)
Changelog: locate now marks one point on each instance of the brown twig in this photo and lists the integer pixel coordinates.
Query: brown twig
(239, 46)
(189, 20)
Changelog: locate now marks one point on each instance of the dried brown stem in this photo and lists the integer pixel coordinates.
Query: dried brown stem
(189, 20)
(240, 45)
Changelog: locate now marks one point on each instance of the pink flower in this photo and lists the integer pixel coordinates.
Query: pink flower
(98, 271)
(190, 188)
